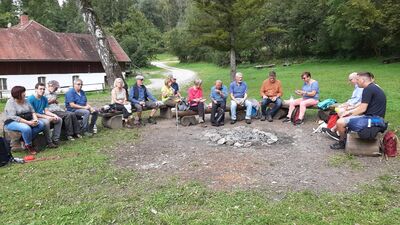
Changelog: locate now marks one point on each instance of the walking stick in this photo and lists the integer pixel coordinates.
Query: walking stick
(176, 115)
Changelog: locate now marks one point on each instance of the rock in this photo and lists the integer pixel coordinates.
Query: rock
(238, 145)
(247, 144)
(221, 141)
(230, 143)
(215, 137)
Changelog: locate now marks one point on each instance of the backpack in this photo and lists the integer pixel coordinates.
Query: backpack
(324, 105)
(5, 153)
(295, 114)
(389, 144)
(332, 119)
(220, 115)
(183, 105)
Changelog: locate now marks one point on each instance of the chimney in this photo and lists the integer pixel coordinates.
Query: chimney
(23, 19)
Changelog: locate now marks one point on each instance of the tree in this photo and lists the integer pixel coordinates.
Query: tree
(72, 19)
(138, 37)
(110, 64)
(7, 13)
(46, 12)
(225, 25)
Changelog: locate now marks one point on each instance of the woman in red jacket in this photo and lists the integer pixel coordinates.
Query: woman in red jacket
(196, 100)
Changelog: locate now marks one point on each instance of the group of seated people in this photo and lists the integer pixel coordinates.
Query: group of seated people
(41, 111)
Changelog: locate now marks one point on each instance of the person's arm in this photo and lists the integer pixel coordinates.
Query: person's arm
(164, 92)
(280, 90)
(190, 95)
(231, 91)
(10, 111)
(150, 96)
(313, 92)
(51, 99)
(212, 92)
(224, 92)
(132, 97)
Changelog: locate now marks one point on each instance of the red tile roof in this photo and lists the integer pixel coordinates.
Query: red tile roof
(32, 41)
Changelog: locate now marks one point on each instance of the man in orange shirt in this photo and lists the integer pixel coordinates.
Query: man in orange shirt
(271, 92)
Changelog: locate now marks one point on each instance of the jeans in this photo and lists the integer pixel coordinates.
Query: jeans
(274, 110)
(214, 108)
(28, 133)
(122, 108)
(86, 127)
(248, 105)
(71, 123)
(56, 130)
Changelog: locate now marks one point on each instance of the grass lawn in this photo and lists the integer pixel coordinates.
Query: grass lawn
(331, 74)
(79, 183)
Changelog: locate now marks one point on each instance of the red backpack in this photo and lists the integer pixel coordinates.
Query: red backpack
(332, 119)
(295, 114)
(389, 144)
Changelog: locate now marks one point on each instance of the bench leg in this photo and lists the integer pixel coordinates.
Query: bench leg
(357, 146)
(188, 120)
(113, 122)
(166, 113)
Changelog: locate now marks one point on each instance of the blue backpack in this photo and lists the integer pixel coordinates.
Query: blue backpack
(324, 105)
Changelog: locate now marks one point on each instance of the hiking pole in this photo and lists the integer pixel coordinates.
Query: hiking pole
(176, 115)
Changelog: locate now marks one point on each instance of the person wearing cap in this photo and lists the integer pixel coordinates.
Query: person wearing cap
(139, 96)
(76, 101)
(71, 123)
(271, 92)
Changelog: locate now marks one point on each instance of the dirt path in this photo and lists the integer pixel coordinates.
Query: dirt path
(299, 161)
(182, 76)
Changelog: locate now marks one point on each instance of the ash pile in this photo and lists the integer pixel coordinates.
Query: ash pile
(240, 137)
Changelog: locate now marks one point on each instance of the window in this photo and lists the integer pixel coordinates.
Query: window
(42, 80)
(3, 84)
(74, 78)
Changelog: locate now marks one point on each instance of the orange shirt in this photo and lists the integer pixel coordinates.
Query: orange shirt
(271, 89)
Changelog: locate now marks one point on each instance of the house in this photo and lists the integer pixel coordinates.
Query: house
(31, 53)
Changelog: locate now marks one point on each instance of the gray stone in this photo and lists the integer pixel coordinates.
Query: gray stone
(221, 141)
(238, 145)
(215, 137)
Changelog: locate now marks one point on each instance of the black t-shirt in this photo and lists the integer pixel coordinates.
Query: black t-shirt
(376, 100)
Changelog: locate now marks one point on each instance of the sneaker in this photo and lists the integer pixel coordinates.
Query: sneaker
(151, 120)
(331, 134)
(233, 121)
(78, 135)
(56, 143)
(263, 118)
(70, 138)
(269, 118)
(31, 149)
(18, 160)
(248, 121)
(298, 122)
(214, 124)
(286, 120)
(338, 145)
(52, 145)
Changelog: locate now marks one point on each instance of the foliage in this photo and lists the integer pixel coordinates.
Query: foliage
(138, 37)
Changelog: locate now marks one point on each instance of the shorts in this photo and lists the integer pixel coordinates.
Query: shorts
(147, 105)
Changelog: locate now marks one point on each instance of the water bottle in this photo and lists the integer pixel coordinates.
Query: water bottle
(95, 129)
(369, 122)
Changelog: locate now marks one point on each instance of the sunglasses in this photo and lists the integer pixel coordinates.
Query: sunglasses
(79, 84)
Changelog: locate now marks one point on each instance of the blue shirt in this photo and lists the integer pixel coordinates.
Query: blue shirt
(238, 91)
(356, 96)
(309, 88)
(175, 86)
(38, 104)
(73, 96)
(217, 97)
(140, 96)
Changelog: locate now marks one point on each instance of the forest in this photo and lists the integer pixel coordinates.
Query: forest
(219, 31)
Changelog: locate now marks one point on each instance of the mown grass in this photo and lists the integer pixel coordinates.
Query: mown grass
(83, 186)
(332, 76)
(80, 184)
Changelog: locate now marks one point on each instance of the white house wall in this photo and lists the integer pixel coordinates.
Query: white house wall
(91, 81)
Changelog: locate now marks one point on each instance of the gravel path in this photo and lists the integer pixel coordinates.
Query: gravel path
(182, 76)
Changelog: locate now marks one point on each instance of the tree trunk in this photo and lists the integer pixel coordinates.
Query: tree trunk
(232, 56)
(110, 64)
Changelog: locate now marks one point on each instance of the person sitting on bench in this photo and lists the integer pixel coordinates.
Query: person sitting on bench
(238, 90)
(271, 92)
(21, 117)
(139, 96)
(196, 100)
(218, 96)
(373, 103)
(41, 107)
(167, 94)
(175, 86)
(310, 97)
(76, 101)
(71, 122)
(119, 101)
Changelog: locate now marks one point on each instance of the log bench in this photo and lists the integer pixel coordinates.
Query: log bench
(114, 120)
(361, 147)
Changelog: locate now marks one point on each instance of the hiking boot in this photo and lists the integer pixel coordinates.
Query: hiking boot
(286, 120)
(269, 118)
(151, 120)
(221, 124)
(78, 136)
(263, 118)
(233, 121)
(18, 160)
(331, 134)
(31, 149)
(214, 124)
(52, 145)
(70, 138)
(56, 143)
(248, 121)
(338, 145)
(298, 122)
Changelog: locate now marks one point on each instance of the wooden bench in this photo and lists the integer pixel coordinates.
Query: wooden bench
(361, 147)
(17, 143)
(114, 120)
(264, 66)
